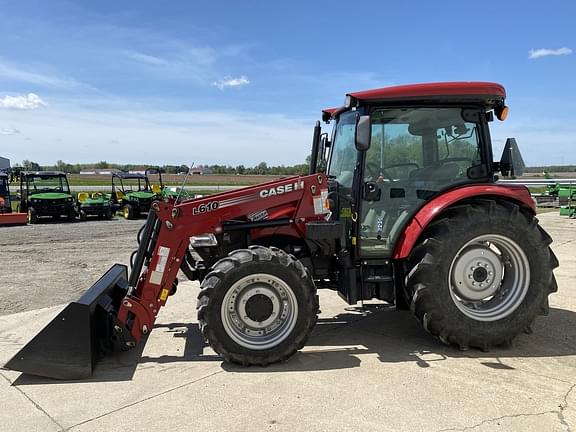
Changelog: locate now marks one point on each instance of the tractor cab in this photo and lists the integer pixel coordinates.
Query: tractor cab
(132, 194)
(46, 194)
(393, 150)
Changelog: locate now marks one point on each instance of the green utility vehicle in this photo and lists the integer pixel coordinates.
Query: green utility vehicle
(163, 191)
(97, 204)
(132, 194)
(45, 194)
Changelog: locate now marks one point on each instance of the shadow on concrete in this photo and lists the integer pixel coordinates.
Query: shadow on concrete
(395, 336)
(340, 342)
(115, 367)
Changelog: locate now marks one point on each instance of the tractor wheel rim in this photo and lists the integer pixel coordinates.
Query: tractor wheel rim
(259, 311)
(489, 277)
(29, 215)
(126, 213)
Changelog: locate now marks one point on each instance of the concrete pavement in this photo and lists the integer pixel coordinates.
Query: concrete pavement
(370, 369)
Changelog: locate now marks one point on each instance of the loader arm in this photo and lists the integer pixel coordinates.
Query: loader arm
(166, 236)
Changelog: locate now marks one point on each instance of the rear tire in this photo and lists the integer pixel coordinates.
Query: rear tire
(480, 274)
(257, 306)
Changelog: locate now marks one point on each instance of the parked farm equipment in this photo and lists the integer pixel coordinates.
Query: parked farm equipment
(407, 211)
(132, 194)
(7, 216)
(163, 191)
(45, 194)
(96, 204)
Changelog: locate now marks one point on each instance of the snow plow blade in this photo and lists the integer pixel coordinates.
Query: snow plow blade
(69, 346)
(7, 219)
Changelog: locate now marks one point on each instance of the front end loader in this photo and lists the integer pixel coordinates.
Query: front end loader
(401, 204)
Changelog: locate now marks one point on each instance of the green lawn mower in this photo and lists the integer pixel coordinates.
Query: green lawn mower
(132, 194)
(45, 194)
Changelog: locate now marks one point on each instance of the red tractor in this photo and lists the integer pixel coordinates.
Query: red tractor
(401, 204)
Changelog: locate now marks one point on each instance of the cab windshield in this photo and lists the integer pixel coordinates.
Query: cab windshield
(135, 184)
(43, 184)
(343, 156)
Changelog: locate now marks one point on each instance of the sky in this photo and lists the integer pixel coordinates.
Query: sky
(228, 82)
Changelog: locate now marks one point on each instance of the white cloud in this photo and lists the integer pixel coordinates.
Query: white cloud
(545, 52)
(23, 102)
(188, 136)
(9, 131)
(231, 82)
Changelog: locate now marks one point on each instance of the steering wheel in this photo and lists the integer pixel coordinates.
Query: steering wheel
(372, 167)
(375, 168)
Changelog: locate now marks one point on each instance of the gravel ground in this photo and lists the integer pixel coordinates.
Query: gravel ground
(53, 263)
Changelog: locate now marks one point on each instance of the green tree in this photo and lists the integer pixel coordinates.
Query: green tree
(30, 165)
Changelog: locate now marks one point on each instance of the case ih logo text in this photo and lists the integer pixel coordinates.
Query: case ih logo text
(282, 189)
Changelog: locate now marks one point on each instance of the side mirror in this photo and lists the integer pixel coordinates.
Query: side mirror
(363, 133)
(324, 144)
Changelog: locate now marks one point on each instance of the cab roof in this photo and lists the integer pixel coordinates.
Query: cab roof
(43, 174)
(473, 90)
(486, 93)
(124, 175)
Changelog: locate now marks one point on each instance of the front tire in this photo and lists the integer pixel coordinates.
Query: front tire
(480, 274)
(257, 306)
(128, 212)
(32, 215)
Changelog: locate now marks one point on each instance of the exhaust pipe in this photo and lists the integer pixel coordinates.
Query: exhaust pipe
(69, 346)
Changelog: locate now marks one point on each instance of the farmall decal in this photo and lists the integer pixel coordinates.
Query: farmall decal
(282, 189)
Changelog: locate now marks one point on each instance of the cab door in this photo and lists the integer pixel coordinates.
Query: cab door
(344, 165)
(415, 154)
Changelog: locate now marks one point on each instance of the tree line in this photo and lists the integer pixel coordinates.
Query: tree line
(260, 169)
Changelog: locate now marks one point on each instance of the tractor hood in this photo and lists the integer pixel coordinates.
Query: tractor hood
(50, 196)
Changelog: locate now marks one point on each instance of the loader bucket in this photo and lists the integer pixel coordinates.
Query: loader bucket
(68, 347)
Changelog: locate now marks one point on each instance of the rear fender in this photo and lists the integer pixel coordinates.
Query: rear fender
(414, 228)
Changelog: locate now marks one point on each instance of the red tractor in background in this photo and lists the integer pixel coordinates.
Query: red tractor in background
(7, 216)
(401, 204)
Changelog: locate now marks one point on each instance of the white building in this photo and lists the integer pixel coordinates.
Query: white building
(4, 164)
